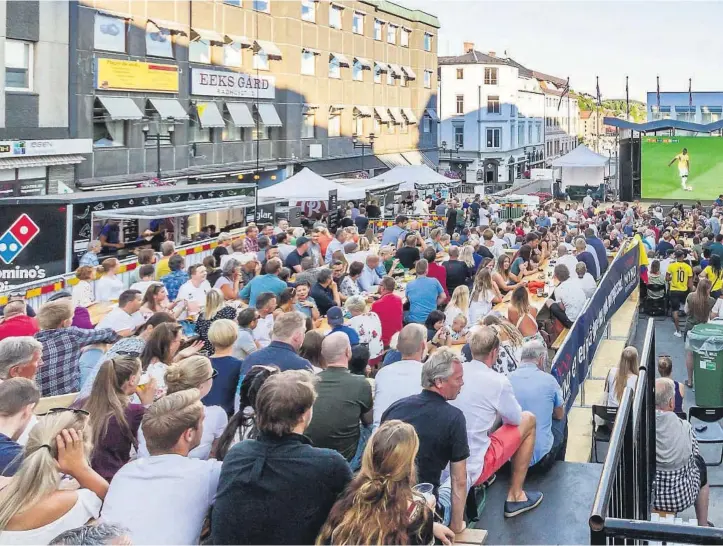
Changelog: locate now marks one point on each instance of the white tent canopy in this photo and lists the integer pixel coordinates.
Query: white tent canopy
(306, 185)
(406, 176)
(581, 167)
(582, 156)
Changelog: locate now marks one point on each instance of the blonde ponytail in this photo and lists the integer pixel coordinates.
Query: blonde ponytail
(189, 373)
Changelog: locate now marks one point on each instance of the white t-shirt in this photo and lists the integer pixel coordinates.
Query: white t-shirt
(481, 308)
(420, 207)
(157, 371)
(631, 382)
(570, 262)
(162, 499)
(451, 313)
(571, 295)
(587, 283)
(262, 332)
(87, 507)
(119, 320)
(718, 308)
(484, 217)
(193, 294)
(394, 382)
(142, 286)
(587, 201)
(107, 289)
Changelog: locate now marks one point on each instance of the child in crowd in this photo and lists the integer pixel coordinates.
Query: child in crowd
(665, 369)
(459, 330)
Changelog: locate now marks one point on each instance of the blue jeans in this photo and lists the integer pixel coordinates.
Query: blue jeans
(444, 500)
(365, 433)
(87, 362)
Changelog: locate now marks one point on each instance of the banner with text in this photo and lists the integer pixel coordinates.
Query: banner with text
(219, 83)
(577, 352)
(136, 76)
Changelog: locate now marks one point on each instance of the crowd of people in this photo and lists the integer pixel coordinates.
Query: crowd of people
(343, 387)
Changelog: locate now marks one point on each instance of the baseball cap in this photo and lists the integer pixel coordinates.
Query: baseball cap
(335, 316)
(301, 241)
(680, 253)
(60, 295)
(247, 257)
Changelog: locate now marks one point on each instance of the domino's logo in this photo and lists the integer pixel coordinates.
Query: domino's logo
(17, 237)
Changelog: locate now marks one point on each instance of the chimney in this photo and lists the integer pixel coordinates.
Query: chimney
(468, 47)
(492, 54)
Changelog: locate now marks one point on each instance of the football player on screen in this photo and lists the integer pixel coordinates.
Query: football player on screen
(683, 160)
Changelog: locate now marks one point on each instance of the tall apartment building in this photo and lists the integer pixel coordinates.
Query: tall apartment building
(561, 117)
(236, 88)
(492, 113)
(36, 155)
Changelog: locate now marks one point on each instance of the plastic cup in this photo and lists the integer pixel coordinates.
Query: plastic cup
(427, 491)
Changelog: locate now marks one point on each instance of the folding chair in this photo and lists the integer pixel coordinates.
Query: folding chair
(601, 433)
(713, 434)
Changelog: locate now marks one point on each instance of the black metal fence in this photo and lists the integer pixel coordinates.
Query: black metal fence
(622, 505)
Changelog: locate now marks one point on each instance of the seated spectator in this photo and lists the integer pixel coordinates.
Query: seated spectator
(176, 278)
(305, 304)
(522, 315)
(586, 257)
(366, 324)
(214, 309)
(435, 270)
(125, 318)
(16, 322)
(18, 398)
(245, 343)
(349, 286)
(511, 342)
(442, 433)
(83, 291)
(566, 258)
(311, 350)
(423, 294)
(665, 369)
(539, 393)
(681, 476)
(194, 291)
(335, 318)
(359, 362)
(160, 351)
(62, 344)
(381, 493)
(229, 281)
(177, 491)
(286, 302)
(569, 299)
(146, 278)
(93, 533)
(287, 337)
(168, 249)
(108, 286)
(212, 272)
(223, 335)
(34, 508)
(114, 421)
(408, 255)
(626, 375)
(265, 307)
(485, 295)
(270, 282)
(587, 283)
(369, 277)
(343, 399)
(301, 482)
(389, 309)
(156, 300)
(434, 323)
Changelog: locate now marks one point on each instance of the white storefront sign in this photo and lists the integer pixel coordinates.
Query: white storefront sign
(18, 148)
(218, 83)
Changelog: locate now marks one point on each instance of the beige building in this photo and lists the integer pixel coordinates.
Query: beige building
(591, 125)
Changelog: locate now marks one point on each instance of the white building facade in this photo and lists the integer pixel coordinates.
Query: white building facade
(562, 116)
(491, 113)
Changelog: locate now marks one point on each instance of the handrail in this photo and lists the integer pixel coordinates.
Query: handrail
(669, 532)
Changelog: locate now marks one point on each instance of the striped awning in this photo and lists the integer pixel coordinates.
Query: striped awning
(343, 59)
(409, 72)
(208, 35)
(409, 114)
(364, 111)
(396, 115)
(365, 64)
(40, 161)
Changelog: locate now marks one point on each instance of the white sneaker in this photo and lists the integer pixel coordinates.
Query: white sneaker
(689, 188)
(677, 334)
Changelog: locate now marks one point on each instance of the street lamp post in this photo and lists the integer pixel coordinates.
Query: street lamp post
(158, 137)
(456, 150)
(363, 145)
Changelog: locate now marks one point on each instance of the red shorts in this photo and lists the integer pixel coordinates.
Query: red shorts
(504, 442)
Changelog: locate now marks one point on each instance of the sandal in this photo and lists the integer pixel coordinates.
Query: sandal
(688, 384)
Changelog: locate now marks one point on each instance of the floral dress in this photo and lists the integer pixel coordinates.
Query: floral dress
(369, 328)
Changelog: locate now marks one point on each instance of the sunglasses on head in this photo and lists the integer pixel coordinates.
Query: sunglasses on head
(52, 411)
(214, 373)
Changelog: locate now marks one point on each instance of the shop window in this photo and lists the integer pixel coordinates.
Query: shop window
(335, 125)
(109, 33)
(261, 60)
(308, 10)
(232, 54)
(308, 126)
(107, 133)
(231, 131)
(199, 51)
(197, 133)
(308, 63)
(18, 65)
(259, 131)
(158, 42)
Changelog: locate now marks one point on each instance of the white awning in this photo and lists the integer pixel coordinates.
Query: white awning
(209, 115)
(364, 111)
(171, 26)
(409, 72)
(396, 70)
(205, 34)
(269, 115)
(233, 38)
(310, 50)
(382, 114)
(270, 48)
(432, 114)
(343, 60)
(409, 114)
(309, 108)
(169, 108)
(396, 115)
(40, 161)
(336, 107)
(384, 67)
(240, 114)
(118, 14)
(120, 107)
(365, 64)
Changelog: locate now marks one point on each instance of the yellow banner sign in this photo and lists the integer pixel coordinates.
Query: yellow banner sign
(136, 76)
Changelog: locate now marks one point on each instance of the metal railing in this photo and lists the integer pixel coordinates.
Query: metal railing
(622, 506)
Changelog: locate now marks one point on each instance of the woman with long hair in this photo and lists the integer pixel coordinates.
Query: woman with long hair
(523, 266)
(159, 352)
(215, 309)
(458, 305)
(503, 277)
(466, 255)
(113, 420)
(698, 307)
(108, 287)
(155, 300)
(511, 342)
(484, 295)
(626, 375)
(714, 272)
(83, 290)
(34, 509)
(242, 426)
(380, 505)
(311, 350)
(523, 315)
(286, 303)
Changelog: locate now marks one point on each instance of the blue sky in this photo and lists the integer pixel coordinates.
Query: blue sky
(583, 39)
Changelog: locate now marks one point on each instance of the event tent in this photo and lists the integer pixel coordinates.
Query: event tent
(406, 176)
(581, 167)
(306, 185)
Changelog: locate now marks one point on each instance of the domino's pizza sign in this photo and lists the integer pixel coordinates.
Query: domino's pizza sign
(17, 237)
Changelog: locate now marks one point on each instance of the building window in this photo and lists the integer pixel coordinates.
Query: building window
(335, 125)
(427, 79)
(107, 133)
(390, 128)
(390, 77)
(357, 23)
(710, 113)
(521, 135)
(308, 10)
(493, 105)
(459, 136)
(391, 34)
(426, 124)
(377, 74)
(403, 127)
(493, 138)
(427, 42)
(308, 63)
(377, 125)
(261, 60)
(378, 29)
(358, 127)
(259, 131)
(236, 3)
(158, 42)
(231, 132)
(529, 134)
(404, 37)
(490, 76)
(460, 73)
(308, 126)
(262, 5)
(18, 65)
(109, 33)
(557, 147)
(685, 113)
(403, 80)
(334, 16)
(197, 133)
(232, 54)
(334, 68)
(512, 136)
(460, 104)
(357, 72)
(199, 51)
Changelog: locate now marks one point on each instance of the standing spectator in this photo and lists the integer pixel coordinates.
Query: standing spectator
(698, 307)
(458, 273)
(336, 244)
(288, 335)
(223, 335)
(293, 260)
(680, 277)
(299, 481)
(168, 249)
(366, 324)
(83, 290)
(284, 244)
(125, 318)
(304, 303)
(245, 343)
(265, 306)
(435, 270)
(315, 251)
(569, 298)
(423, 293)
(394, 235)
(270, 282)
(18, 398)
(325, 292)
(177, 491)
(362, 221)
(194, 290)
(343, 400)
(251, 241)
(108, 287)
(176, 278)
(214, 309)
(224, 240)
(62, 344)
(389, 309)
(16, 323)
(90, 258)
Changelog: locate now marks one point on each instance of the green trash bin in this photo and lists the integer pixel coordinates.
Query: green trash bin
(706, 343)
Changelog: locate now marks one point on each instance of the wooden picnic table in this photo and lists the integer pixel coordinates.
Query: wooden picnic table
(99, 310)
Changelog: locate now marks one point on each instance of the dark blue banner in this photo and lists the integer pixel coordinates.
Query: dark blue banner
(575, 356)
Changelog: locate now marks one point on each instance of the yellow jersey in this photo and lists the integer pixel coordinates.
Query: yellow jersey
(162, 268)
(683, 160)
(680, 273)
(715, 281)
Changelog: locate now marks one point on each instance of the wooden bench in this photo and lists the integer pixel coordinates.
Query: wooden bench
(471, 536)
(558, 342)
(61, 401)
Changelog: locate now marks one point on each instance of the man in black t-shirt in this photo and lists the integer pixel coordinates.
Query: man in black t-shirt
(458, 273)
(293, 260)
(361, 221)
(408, 255)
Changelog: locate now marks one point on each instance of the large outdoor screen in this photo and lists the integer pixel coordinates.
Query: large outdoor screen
(668, 163)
